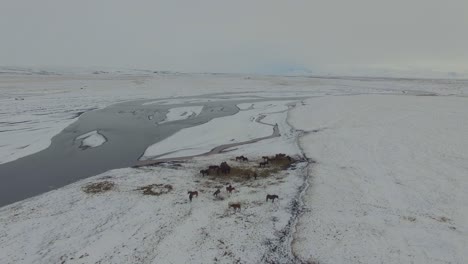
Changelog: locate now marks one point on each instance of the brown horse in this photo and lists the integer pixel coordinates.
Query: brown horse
(192, 194)
(271, 197)
(235, 206)
(280, 155)
(245, 159)
(224, 168)
(230, 188)
(239, 158)
(265, 158)
(217, 192)
(205, 172)
(263, 164)
(213, 167)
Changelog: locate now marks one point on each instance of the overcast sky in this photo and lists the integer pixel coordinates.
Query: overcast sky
(236, 36)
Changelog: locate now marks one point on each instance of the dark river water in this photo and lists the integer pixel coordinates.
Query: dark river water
(129, 128)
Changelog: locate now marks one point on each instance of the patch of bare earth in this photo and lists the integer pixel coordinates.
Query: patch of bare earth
(98, 187)
(155, 189)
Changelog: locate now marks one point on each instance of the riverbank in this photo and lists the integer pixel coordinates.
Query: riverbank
(121, 223)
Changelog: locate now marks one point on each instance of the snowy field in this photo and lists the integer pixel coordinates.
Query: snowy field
(390, 181)
(34, 108)
(124, 225)
(385, 180)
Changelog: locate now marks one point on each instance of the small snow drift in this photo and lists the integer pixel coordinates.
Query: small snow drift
(91, 139)
(182, 113)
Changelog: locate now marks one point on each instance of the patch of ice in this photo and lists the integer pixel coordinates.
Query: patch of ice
(181, 113)
(91, 139)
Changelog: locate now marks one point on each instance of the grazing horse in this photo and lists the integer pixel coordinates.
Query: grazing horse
(217, 192)
(263, 163)
(244, 159)
(192, 194)
(271, 197)
(205, 172)
(235, 206)
(213, 167)
(230, 188)
(280, 155)
(224, 168)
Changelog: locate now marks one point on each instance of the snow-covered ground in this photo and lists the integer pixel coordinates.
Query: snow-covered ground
(91, 139)
(389, 185)
(390, 181)
(125, 226)
(34, 106)
(181, 113)
(240, 127)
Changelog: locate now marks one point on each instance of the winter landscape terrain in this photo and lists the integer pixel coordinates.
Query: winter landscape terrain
(379, 170)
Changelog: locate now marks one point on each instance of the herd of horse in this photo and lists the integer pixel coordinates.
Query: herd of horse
(235, 206)
(224, 168)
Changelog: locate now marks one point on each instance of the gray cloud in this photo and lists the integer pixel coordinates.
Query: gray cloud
(236, 36)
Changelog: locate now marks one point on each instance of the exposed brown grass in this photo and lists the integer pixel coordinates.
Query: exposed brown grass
(282, 163)
(98, 187)
(245, 171)
(155, 189)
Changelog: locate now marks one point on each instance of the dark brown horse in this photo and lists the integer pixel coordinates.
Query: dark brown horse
(224, 168)
(205, 172)
(265, 158)
(271, 197)
(192, 194)
(239, 158)
(280, 155)
(263, 163)
(213, 167)
(235, 206)
(217, 192)
(245, 159)
(230, 188)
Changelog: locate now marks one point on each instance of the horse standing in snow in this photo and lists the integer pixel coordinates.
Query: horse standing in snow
(192, 194)
(235, 206)
(205, 172)
(224, 168)
(217, 192)
(230, 188)
(271, 197)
